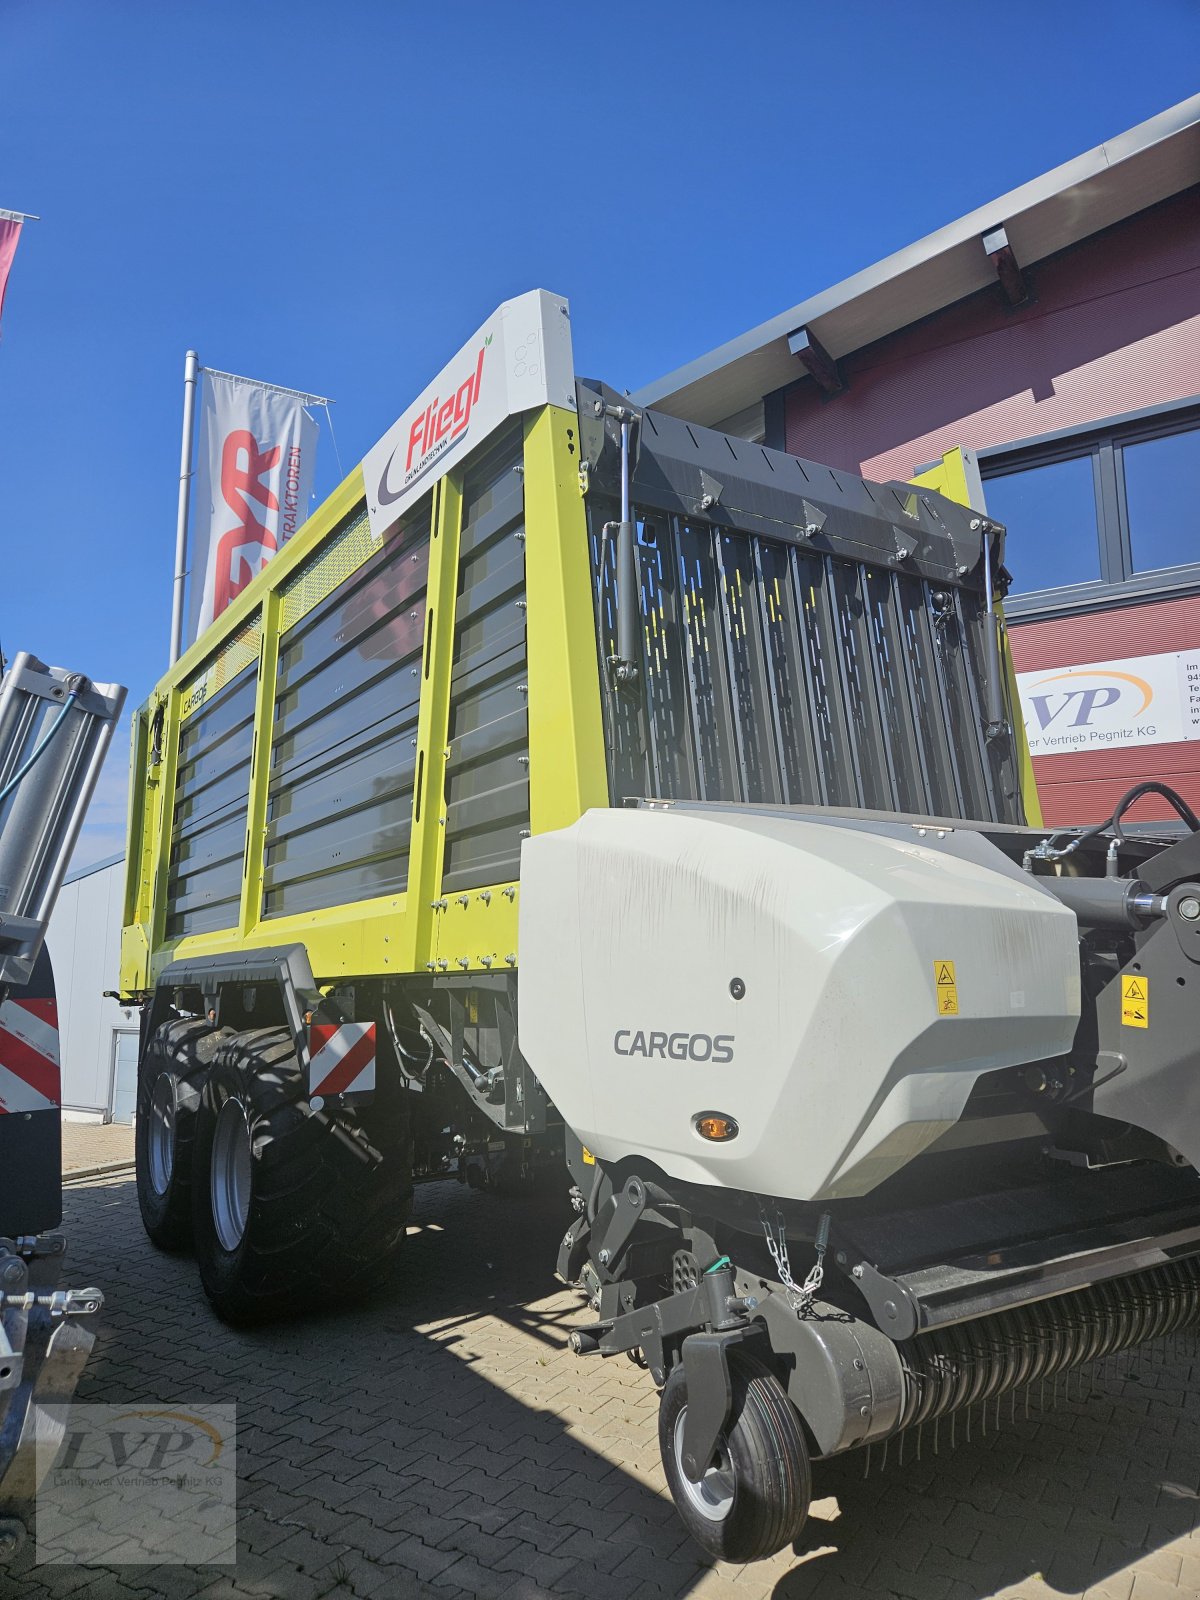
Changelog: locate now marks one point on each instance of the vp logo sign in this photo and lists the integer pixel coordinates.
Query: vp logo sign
(1100, 691)
(1090, 707)
(1100, 705)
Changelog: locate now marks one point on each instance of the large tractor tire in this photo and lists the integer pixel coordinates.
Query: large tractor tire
(754, 1498)
(292, 1208)
(170, 1080)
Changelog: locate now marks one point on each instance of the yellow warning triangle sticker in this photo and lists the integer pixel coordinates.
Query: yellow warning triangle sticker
(945, 973)
(1134, 989)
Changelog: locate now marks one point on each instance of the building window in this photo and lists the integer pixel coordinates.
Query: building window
(1050, 514)
(1161, 487)
(1101, 513)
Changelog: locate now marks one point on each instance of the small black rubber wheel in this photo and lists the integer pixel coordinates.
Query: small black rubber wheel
(293, 1209)
(754, 1499)
(170, 1080)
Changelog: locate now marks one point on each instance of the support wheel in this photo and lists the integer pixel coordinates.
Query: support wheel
(293, 1208)
(170, 1080)
(754, 1499)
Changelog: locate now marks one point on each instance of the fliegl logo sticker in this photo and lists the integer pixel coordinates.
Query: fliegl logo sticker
(443, 423)
(520, 358)
(1103, 704)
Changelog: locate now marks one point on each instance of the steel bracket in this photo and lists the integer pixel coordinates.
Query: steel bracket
(573, 1251)
(892, 1304)
(659, 1328)
(609, 1246)
(709, 1394)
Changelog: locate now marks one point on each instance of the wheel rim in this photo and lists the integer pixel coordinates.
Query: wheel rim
(161, 1140)
(712, 1497)
(230, 1182)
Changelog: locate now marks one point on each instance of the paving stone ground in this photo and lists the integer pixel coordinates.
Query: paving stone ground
(442, 1443)
(86, 1145)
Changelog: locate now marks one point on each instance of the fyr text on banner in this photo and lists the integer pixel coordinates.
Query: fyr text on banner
(254, 474)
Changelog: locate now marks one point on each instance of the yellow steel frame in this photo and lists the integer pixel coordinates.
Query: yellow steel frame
(950, 477)
(477, 930)
(420, 929)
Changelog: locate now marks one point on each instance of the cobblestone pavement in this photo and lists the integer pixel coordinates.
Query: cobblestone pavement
(442, 1443)
(86, 1145)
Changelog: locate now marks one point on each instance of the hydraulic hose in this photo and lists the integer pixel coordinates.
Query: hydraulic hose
(1152, 786)
(1048, 852)
(43, 745)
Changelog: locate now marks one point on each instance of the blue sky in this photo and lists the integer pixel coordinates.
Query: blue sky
(333, 196)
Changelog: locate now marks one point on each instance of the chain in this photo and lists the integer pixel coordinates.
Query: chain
(800, 1295)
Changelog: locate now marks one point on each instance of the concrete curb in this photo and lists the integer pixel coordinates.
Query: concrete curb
(103, 1170)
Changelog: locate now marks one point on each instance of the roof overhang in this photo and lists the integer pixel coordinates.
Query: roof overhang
(1151, 162)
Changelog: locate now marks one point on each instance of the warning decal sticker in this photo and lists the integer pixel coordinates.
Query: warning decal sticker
(947, 988)
(1135, 1001)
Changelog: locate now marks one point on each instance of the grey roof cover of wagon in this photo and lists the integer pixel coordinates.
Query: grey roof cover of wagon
(698, 471)
(805, 635)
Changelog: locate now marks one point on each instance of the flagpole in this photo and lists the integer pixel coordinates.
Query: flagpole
(190, 369)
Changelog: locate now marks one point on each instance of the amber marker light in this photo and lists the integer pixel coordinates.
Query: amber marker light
(713, 1126)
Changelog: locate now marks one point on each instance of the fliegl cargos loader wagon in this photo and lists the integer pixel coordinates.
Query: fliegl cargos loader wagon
(582, 782)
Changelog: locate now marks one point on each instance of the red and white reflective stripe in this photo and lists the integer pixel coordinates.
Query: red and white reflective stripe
(341, 1057)
(29, 1067)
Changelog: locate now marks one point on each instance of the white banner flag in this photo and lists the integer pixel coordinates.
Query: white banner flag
(254, 475)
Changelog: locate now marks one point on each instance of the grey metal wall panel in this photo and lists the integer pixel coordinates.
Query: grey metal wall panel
(807, 634)
(343, 752)
(930, 722)
(487, 772)
(746, 653)
(707, 672)
(874, 774)
(963, 710)
(800, 764)
(773, 673)
(815, 619)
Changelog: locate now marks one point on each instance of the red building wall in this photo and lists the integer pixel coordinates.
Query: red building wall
(1114, 326)
(1084, 786)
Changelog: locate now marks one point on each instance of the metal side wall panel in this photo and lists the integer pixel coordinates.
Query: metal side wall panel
(487, 770)
(343, 747)
(807, 637)
(772, 674)
(208, 821)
